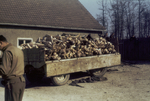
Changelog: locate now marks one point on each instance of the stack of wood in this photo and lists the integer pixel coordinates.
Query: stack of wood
(67, 46)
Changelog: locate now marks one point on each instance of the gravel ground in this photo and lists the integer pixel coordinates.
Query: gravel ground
(129, 82)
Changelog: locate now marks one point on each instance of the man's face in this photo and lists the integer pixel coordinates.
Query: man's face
(1, 45)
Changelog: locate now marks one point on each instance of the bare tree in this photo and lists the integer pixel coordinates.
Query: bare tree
(102, 17)
(130, 18)
(117, 13)
(125, 17)
(141, 9)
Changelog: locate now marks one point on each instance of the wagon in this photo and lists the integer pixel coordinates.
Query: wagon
(59, 70)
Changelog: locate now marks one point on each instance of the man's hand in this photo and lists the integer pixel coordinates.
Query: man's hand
(3, 82)
(1, 72)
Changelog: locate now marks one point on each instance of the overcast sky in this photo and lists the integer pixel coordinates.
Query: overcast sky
(91, 6)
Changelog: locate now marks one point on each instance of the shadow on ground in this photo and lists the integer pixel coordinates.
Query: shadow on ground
(47, 81)
(128, 62)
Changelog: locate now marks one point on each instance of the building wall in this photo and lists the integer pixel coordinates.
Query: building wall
(13, 33)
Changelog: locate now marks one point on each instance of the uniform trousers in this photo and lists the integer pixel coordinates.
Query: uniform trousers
(14, 89)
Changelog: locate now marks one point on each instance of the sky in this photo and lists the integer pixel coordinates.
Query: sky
(92, 6)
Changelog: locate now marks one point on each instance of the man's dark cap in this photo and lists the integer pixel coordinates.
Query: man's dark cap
(2, 38)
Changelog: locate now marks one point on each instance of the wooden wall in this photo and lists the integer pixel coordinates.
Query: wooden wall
(137, 49)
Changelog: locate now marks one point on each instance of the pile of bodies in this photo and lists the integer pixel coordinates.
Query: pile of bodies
(68, 46)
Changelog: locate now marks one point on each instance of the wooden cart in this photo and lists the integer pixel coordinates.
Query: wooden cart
(59, 71)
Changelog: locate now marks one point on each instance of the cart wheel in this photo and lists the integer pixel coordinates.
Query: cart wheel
(32, 74)
(60, 80)
(98, 72)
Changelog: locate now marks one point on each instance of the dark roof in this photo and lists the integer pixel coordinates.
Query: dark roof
(68, 14)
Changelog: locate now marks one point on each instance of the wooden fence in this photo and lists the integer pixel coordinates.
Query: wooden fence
(137, 49)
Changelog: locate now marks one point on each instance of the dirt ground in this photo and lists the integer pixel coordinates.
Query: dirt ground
(129, 82)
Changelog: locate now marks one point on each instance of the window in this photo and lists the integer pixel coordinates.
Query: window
(23, 41)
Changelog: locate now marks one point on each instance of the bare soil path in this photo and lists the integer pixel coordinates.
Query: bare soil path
(129, 82)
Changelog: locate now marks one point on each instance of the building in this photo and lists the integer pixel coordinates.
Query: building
(23, 21)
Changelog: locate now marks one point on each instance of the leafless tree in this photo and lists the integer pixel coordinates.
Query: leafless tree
(125, 18)
(117, 13)
(102, 17)
(141, 8)
(130, 19)
(146, 15)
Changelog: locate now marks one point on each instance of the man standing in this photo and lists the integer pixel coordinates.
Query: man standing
(12, 70)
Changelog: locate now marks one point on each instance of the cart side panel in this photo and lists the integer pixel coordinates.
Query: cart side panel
(34, 57)
(62, 67)
(66, 66)
(106, 61)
